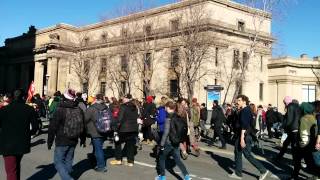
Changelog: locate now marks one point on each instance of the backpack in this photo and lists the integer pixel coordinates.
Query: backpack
(178, 130)
(103, 122)
(74, 124)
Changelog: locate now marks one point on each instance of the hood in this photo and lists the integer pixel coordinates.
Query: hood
(68, 104)
(99, 106)
(307, 108)
(287, 100)
(149, 99)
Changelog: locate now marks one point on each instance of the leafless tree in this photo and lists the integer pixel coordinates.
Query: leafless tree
(193, 47)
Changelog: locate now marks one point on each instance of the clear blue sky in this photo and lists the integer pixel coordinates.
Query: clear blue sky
(297, 32)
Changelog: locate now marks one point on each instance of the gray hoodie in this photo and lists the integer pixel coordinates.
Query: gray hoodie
(91, 116)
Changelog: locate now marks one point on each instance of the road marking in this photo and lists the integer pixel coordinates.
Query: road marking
(153, 166)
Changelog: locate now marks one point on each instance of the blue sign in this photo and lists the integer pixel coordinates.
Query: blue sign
(211, 96)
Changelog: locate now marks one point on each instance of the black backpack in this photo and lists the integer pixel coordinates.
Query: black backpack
(74, 124)
(178, 130)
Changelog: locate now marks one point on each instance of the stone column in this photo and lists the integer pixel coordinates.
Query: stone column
(38, 77)
(52, 71)
(62, 74)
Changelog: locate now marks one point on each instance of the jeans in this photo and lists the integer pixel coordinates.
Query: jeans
(130, 139)
(98, 152)
(63, 159)
(218, 133)
(247, 154)
(13, 166)
(175, 152)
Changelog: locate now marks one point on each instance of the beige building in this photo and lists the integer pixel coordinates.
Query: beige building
(149, 51)
(293, 77)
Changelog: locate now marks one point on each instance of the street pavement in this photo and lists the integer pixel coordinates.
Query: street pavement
(212, 164)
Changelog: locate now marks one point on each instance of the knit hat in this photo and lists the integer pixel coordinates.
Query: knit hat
(287, 100)
(149, 99)
(70, 94)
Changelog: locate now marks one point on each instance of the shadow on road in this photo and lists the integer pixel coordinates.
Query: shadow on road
(47, 172)
(38, 142)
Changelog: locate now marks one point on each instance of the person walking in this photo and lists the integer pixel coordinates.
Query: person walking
(65, 128)
(243, 143)
(195, 118)
(203, 119)
(217, 120)
(15, 134)
(149, 118)
(167, 146)
(127, 132)
(92, 115)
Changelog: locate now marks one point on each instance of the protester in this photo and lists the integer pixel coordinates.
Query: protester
(53, 103)
(92, 115)
(243, 143)
(260, 120)
(15, 134)
(149, 118)
(203, 118)
(270, 119)
(217, 120)
(195, 117)
(66, 127)
(168, 147)
(127, 132)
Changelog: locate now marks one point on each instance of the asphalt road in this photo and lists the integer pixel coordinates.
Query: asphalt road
(213, 164)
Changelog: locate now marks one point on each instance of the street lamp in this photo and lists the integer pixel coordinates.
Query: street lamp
(47, 80)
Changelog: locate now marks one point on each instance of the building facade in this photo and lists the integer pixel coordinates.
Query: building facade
(295, 77)
(179, 48)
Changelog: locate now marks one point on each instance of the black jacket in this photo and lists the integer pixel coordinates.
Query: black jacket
(128, 116)
(56, 126)
(204, 114)
(217, 117)
(149, 113)
(292, 118)
(15, 134)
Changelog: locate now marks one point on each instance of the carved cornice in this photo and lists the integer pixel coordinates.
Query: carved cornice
(291, 64)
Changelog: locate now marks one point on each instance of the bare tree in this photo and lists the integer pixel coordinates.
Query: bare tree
(193, 47)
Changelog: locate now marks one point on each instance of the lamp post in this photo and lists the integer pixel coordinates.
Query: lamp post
(47, 80)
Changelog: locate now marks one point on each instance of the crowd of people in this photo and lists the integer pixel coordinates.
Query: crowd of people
(173, 127)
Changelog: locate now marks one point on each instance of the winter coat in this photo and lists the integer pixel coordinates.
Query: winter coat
(204, 114)
(292, 118)
(56, 125)
(217, 117)
(161, 118)
(128, 116)
(91, 116)
(149, 114)
(15, 134)
(195, 115)
(53, 106)
(307, 129)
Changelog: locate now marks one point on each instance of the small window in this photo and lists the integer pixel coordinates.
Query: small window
(124, 32)
(147, 60)
(123, 88)
(241, 26)
(86, 66)
(261, 91)
(147, 30)
(103, 88)
(174, 58)
(236, 59)
(216, 57)
(174, 25)
(103, 65)
(104, 37)
(174, 88)
(245, 58)
(215, 81)
(86, 41)
(261, 63)
(124, 63)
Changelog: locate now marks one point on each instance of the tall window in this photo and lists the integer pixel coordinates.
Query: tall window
(174, 88)
(308, 93)
(261, 91)
(124, 32)
(103, 65)
(236, 58)
(86, 66)
(103, 88)
(123, 87)
(174, 24)
(245, 58)
(147, 60)
(86, 41)
(147, 30)
(241, 26)
(216, 58)
(261, 63)
(104, 36)
(124, 63)
(174, 57)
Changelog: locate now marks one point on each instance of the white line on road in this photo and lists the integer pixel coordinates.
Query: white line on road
(153, 166)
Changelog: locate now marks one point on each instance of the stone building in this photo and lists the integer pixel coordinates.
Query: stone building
(149, 51)
(295, 77)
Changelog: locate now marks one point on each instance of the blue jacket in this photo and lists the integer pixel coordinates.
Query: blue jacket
(161, 118)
